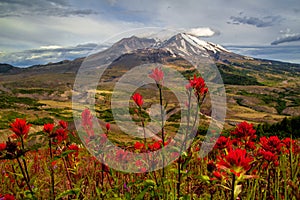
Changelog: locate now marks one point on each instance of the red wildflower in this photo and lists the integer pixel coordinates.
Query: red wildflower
(63, 124)
(139, 146)
(158, 75)
(138, 99)
(290, 145)
(143, 170)
(53, 163)
(61, 134)
(155, 146)
(272, 144)
(75, 148)
(2, 146)
(48, 128)
(244, 131)
(237, 161)
(121, 155)
(86, 118)
(199, 86)
(7, 197)
(222, 143)
(138, 163)
(219, 175)
(107, 126)
(20, 127)
(288, 142)
(250, 145)
(268, 155)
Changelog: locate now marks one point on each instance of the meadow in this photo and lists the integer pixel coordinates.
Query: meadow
(60, 162)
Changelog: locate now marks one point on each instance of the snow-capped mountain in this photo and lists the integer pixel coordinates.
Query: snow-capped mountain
(191, 45)
(133, 51)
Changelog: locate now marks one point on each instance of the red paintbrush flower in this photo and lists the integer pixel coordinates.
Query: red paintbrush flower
(199, 86)
(86, 118)
(107, 126)
(138, 99)
(139, 146)
(158, 75)
(75, 148)
(219, 175)
(244, 131)
(7, 197)
(155, 146)
(61, 135)
(48, 128)
(222, 143)
(268, 155)
(20, 127)
(236, 161)
(2, 146)
(272, 144)
(63, 124)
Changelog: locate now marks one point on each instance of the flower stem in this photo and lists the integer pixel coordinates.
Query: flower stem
(233, 187)
(51, 171)
(24, 175)
(162, 129)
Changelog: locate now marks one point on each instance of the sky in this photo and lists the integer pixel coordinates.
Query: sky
(42, 31)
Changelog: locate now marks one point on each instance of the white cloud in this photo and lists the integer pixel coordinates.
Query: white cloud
(201, 32)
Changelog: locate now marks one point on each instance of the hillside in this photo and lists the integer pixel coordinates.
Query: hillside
(257, 90)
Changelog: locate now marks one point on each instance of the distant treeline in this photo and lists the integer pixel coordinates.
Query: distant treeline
(286, 128)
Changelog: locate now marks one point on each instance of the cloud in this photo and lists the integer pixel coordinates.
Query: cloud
(60, 8)
(46, 54)
(266, 21)
(287, 38)
(283, 53)
(202, 32)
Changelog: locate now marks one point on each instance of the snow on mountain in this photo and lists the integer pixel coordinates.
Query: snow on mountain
(186, 44)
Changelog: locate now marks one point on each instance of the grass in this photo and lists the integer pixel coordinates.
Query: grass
(78, 175)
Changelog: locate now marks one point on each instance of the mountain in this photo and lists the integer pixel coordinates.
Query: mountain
(257, 89)
(8, 69)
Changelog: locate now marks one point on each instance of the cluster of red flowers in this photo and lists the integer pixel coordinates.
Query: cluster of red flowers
(87, 124)
(20, 128)
(7, 197)
(60, 134)
(199, 86)
(242, 152)
(158, 75)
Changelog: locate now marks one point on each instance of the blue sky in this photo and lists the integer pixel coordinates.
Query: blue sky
(40, 31)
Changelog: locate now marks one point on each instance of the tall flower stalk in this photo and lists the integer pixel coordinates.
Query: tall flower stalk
(48, 128)
(138, 100)
(21, 129)
(200, 90)
(158, 76)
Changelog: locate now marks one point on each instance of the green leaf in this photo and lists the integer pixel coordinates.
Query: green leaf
(149, 182)
(237, 191)
(204, 177)
(64, 154)
(74, 191)
(141, 195)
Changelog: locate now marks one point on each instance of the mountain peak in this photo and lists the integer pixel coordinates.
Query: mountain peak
(188, 44)
(133, 42)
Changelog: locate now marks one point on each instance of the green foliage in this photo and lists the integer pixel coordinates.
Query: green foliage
(278, 100)
(42, 121)
(233, 76)
(7, 117)
(286, 128)
(33, 91)
(9, 101)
